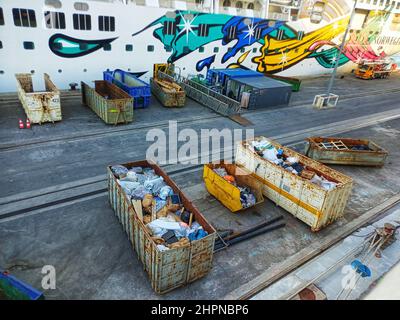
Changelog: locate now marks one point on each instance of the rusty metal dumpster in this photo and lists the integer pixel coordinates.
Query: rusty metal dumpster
(345, 151)
(168, 269)
(109, 102)
(39, 106)
(306, 196)
(228, 193)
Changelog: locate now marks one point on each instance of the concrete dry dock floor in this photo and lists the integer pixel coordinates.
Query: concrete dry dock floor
(83, 239)
(93, 258)
(83, 149)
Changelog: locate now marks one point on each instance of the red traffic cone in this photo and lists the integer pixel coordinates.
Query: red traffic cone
(21, 124)
(28, 124)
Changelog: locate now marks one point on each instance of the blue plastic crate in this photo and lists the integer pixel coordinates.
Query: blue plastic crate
(136, 88)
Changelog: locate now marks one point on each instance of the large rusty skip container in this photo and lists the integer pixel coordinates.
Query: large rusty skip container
(345, 151)
(310, 203)
(109, 102)
(39, 106)
(169, 269)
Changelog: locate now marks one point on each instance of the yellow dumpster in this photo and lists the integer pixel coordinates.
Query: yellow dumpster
(229, 194)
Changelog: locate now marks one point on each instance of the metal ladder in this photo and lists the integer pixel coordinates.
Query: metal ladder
(205, 96)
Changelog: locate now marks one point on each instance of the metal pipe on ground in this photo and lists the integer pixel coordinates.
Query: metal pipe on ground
(253, 228)
(219, 245)
(256, 233)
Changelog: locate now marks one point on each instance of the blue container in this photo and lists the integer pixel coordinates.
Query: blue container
(13, 289)
(138, 89)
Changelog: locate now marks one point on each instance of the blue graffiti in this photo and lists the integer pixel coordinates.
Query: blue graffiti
(205, 63)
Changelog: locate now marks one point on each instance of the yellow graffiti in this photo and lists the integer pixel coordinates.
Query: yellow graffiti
(277, 55)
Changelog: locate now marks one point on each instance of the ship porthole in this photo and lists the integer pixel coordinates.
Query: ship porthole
(84, 70)
(1, 71)
(59, 70)
(32, 71)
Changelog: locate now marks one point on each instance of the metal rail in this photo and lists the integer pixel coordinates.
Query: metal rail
(204, 95)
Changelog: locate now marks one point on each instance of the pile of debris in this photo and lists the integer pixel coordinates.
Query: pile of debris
(265, 149)
(161, 210)
(247, 198)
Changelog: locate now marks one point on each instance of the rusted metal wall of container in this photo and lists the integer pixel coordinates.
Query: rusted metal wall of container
(374, 157)
(176, 99)
(116, 108)
(39, 106)
(307, 201)
(169, 269)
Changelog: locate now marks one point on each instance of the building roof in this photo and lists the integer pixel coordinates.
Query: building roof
(238, 72)
(262, 82)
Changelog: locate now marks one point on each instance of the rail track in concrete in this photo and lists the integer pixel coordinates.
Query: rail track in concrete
(161, 124)
(21, 204)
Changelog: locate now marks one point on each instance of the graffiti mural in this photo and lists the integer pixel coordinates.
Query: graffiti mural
(68, 47)
(281, 46)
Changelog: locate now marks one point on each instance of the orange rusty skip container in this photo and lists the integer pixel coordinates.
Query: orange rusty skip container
(307, 201)
(169, 269)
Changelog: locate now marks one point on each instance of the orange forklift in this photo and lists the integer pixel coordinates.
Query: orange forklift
(374, 69)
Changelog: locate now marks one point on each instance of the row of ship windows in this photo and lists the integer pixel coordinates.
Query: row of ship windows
(29, 45)
(56, 20)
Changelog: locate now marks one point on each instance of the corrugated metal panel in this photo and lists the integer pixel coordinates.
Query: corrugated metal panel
(39, 106)
(376, 156)
(109, 102)
(169, 269)
(308, 202)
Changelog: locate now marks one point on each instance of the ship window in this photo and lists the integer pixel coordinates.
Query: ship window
(271, 23)
(129, 47)
(250, 6)
(216, 49)
(82, 21)
(258, 33)
(150, 48)
(375, 2)
(232, 32)
(81, 6)
(53, 3)
(239, 5)
(242, 50)
(29, 45)
(201, 49)
(1, 17)
(226, 3)
(106, 23)
(300, 35)
(24, 18)
(107, 47)
(168, 48)
(169, 28)
(1, 45)
(398, 6)
(186, 50)
(54, 20)
(280, 35)
(203, 30)
(83, 46)
(254, 50)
